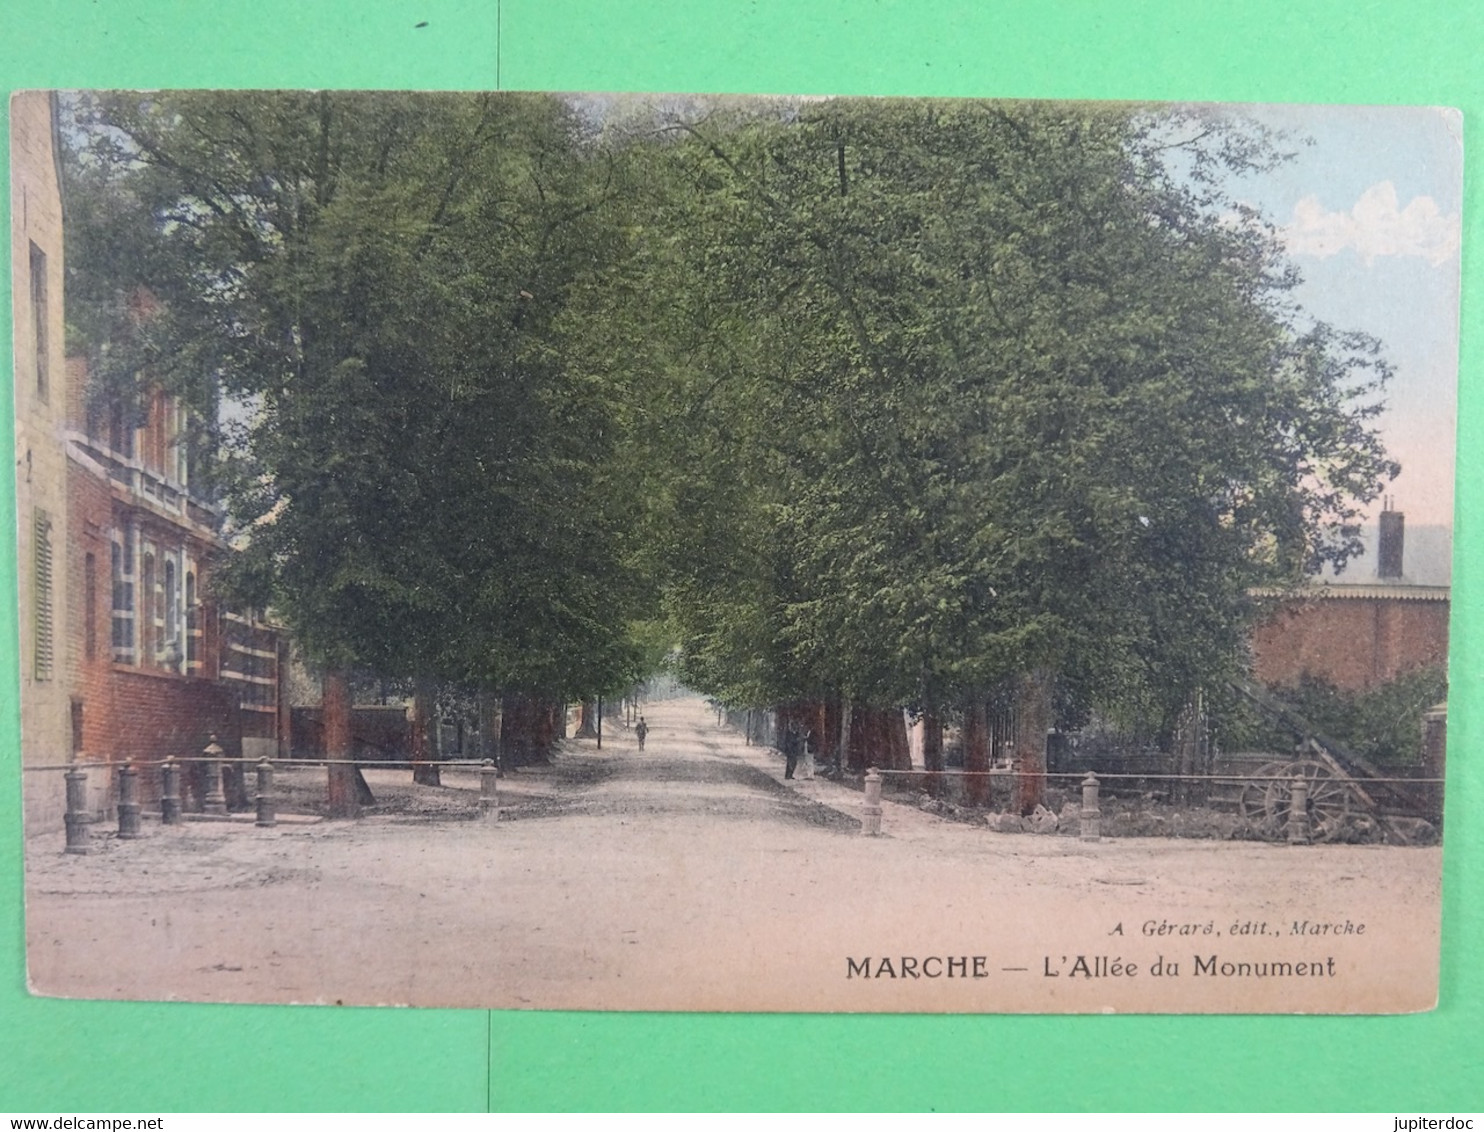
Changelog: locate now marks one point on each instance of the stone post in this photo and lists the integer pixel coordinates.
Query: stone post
(215, 801)
(871, 811)
(1090, 827)
(489, 796)
(266, 816)
(77, 818)
(128, 802)
(170, 793)
(1298, 811)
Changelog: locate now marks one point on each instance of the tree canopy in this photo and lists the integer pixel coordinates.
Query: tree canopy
(890, 400)
(391, 289)
(1016, 393)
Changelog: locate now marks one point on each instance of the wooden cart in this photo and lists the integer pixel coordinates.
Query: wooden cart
(1340, 782)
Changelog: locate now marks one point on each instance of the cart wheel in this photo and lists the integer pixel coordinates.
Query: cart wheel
(1252, 803)
(1330, 798)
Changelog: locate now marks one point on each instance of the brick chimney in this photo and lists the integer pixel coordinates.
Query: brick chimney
(1392, 537)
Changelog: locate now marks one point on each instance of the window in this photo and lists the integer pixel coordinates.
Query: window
(250, 661)
(121, 426)
(42, 551)
(123, 596)
(179, 442)
(39, 320)
(193, 623)
(149, 606)
(76, 727)
(90, 605)
(170, 638)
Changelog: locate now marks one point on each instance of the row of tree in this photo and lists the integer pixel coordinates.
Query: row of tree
(868, 404)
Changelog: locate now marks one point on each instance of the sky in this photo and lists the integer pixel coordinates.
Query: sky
(1370, 213)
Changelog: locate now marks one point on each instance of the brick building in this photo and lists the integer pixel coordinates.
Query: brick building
(125, 653)
(1356, 635)
(159, 665)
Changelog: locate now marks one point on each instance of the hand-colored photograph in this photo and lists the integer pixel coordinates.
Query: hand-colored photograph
(695, 553)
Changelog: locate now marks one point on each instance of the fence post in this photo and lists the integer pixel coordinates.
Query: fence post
(170, 793)
(266, 816)
(76, 817)
(489, 797)
(871, 811)
(128, 802)
(1298, 811)
(1090, 827)
(215, 802)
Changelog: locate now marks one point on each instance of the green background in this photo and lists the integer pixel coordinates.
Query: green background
(83, 1056)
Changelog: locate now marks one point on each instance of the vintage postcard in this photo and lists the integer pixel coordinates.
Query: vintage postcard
(573, 551)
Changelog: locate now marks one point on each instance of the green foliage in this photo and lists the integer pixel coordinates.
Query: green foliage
(993, 387)
(899, 400)
(1381, 724)
(393, 290)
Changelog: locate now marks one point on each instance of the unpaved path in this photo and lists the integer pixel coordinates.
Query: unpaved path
(691, 877)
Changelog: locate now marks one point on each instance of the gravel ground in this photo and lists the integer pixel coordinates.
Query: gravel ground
(691, 877)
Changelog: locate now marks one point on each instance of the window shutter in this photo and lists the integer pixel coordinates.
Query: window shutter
(42, 544)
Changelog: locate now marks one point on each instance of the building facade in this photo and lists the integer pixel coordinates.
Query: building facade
(1355, 635)
(40, 451)
(159, 666)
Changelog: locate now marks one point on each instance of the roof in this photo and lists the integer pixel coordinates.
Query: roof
(1358, 591)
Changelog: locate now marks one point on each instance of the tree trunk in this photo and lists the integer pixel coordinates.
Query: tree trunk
(976, 751)
(829, 738)
(842, 749)
(932, 742)
(879, 738)
(858, 744)
(528, 728)
(548, 723)
(1033, 719)
(587, 715)
(512, 735)
(932, 752)
(896, 744)
(424, 737)
(816, 728)
(340, 795)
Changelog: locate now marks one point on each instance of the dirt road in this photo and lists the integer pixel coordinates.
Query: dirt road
(691, 877)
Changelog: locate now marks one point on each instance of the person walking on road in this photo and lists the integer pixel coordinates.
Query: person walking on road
(641, 729)
(792, 741)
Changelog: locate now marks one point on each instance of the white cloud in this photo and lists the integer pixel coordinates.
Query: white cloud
(1376, 226)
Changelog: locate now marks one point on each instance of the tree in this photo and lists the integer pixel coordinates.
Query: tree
(392, 288)
(1017, 403)
(887, 403)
